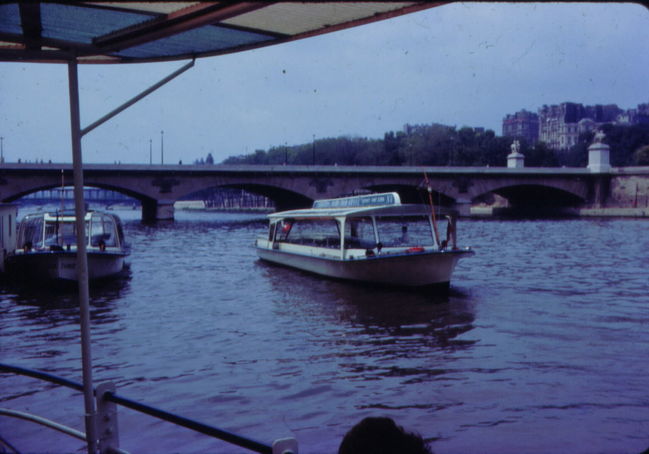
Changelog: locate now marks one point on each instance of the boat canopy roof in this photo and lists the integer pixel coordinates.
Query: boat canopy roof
(66, 215)
(383, 204)
(127, 32)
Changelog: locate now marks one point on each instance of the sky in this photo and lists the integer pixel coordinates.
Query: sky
(463, 64)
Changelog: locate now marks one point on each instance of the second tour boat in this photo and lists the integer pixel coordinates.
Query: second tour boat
(370, 238)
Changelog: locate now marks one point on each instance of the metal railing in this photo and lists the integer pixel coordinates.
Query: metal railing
(107, 401)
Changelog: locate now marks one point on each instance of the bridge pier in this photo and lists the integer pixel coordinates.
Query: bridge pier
(157, 210)
(601, 190)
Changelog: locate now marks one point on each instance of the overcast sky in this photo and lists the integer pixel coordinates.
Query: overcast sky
(464, 64)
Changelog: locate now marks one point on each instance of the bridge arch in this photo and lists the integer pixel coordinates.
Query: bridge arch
(282, 198)
(149, 204)
(23, 192)
(572, 188)
(530, 198)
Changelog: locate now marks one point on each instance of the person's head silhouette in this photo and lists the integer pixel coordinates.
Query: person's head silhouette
(381, 436)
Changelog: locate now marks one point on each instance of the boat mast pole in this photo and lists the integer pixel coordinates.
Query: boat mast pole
(432, 208)
(82, 259)
(62, 193)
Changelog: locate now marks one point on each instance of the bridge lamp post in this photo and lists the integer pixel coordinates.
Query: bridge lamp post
(162, 142)
(2, 150)
(150, 151)
(313, 149)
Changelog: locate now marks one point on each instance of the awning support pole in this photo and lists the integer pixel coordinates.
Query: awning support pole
(80, 213)
(82, 259)
(135, 99)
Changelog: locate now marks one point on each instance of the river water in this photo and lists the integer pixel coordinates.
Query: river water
(541, 346)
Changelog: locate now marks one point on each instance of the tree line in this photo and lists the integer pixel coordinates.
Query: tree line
(441, 145)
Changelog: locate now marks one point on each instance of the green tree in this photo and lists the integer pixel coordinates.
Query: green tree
(624, 141)
(540, 155)
(391, 147)
(641, 156)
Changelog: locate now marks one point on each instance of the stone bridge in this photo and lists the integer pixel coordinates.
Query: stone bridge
(159, 186)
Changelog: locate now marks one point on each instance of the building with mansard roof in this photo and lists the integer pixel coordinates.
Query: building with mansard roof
(560, 126)
(522, 125)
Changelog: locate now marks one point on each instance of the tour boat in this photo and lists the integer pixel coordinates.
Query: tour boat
(47, 246)
(369, 238)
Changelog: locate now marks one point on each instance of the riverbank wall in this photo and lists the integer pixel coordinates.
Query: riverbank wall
(606, 212)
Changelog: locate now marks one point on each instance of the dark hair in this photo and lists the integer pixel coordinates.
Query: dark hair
(381, 436)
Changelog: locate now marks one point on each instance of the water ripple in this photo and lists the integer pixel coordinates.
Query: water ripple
(540, 346)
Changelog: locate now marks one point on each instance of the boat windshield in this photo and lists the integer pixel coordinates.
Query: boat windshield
(31, 232)
(103, 231)
(55, 232)
(60, 233)
(359, 233)
(404, 231)
(310, 232)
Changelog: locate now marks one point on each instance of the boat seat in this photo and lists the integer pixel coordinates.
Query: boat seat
(356, 243)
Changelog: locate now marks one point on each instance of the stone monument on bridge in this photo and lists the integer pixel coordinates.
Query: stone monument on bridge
(599, 154)
(516, 159)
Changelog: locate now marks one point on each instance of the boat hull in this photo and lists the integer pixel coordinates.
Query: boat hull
(419, 269)
(61, 265)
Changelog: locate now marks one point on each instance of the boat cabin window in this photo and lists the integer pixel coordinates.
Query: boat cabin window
(359, 233)
(31, 232)
(102, 230)
(120, 230)
(404, 231)
(60, 233)
(51, 234)
(310, 232)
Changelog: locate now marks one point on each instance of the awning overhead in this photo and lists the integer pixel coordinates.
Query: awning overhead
(122, 32)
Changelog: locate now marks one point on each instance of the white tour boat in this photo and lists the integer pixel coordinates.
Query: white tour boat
(370, 238)
(47, 246)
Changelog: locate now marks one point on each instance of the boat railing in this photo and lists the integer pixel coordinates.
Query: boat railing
(107, 401)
